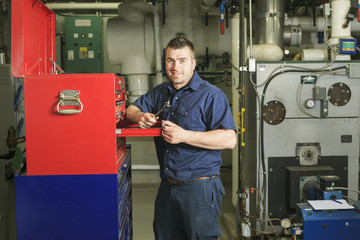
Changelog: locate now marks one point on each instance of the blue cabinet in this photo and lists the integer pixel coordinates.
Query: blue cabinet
(75, 206)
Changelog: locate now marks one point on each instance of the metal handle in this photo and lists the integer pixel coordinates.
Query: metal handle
(69, 98)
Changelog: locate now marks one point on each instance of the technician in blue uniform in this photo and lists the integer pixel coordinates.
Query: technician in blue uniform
(196, 126)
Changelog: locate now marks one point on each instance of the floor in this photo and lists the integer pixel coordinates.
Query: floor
(144, 195)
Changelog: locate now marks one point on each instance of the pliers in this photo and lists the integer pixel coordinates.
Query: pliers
(166, 105)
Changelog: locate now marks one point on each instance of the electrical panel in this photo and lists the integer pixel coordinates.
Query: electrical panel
(83, 44)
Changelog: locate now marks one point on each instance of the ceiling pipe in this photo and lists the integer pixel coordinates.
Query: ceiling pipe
(83, 6)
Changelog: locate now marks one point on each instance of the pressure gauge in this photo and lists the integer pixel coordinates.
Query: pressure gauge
(285, 223)
(310, 103)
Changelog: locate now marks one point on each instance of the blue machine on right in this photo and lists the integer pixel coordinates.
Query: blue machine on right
(328, 215)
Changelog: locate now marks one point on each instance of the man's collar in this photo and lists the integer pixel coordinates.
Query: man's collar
(194, 83)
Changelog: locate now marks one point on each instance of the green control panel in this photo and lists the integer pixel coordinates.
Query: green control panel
(83, 44)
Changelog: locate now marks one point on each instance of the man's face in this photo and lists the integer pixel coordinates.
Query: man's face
(180, 65)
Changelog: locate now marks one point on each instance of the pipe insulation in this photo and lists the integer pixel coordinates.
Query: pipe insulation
(338, 16)
(307, 25)
(83, 6)
(130, 40)
(319, 54)
(266, 52)
(145, 167)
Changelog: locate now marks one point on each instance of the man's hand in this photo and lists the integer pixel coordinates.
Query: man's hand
(173, 133)
(135, 115)
(147, 120)
(213, 139)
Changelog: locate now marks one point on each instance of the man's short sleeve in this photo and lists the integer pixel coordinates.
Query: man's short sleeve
(219, 112)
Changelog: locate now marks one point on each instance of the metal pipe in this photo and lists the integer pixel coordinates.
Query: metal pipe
(157, 37)
(270, 16)
(163, 8)
(250, 28)
(241, 89)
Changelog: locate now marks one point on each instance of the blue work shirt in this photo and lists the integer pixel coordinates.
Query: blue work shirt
(199, 106)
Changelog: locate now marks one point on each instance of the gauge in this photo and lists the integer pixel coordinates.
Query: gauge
(285, 223)
(310, 103)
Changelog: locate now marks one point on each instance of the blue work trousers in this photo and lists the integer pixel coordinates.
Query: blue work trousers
(188, 211)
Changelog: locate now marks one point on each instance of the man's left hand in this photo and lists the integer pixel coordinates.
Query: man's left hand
(173, 133)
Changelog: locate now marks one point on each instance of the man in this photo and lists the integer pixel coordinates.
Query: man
(196, 124)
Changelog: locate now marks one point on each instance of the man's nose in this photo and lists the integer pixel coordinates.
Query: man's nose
(176, 64)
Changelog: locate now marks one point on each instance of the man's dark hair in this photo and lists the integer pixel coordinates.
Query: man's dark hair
(180, 42)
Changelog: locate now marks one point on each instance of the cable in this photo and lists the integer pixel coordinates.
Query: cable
(342, 188)
(323, 73)
(326, 35)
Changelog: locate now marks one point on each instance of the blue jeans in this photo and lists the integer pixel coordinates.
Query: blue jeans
(188, 211)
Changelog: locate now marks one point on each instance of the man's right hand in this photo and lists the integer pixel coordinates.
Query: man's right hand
(135, 115)
(146, 120)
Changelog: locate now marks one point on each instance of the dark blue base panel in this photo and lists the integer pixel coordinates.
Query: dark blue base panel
(67, 207)
(329, 225)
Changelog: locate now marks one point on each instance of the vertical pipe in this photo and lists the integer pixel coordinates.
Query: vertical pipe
(163, 13)
(338, 15)
(250, 28)
(358, 10)
(222, 26)
(235, 100)
(241, 89)
(270, 14)
(157, 46)
(246, 230)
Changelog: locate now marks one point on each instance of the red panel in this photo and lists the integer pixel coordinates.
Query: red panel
(83, 143)
(126, 129)
(121, 151)
(32, 38)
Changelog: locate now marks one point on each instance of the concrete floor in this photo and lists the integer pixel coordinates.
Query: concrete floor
(143, 197)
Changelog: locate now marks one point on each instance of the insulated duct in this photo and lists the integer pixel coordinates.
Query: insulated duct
(82, 6)
(130, 40)
(269, 21)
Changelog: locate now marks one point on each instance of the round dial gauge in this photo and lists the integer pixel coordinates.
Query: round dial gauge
(310, 103)
(285, 223)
